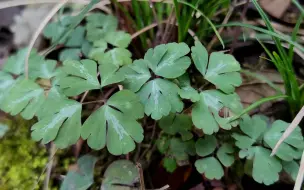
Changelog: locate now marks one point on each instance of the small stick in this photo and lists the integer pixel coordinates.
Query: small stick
(289, 130)
(300, 175)
(141, 176)
(38, 31)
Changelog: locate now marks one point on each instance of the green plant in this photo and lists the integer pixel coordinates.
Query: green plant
(197, 115)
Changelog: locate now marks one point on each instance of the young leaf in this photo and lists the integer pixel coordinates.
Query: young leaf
(119, 39)
(81, 76)
(136, 75)
(292, 147)
(3, 129)
(116, 56)
(59, 120)
(177, 123)
(98, 25)
(109, 74)
(6, 83)
(170, 164)
(44, 70)
(205, 113)
(15, 63)
(180, 150)
(70, 54)
(24, 97)
(224, 154)
(76, 38)
(222, 69)
(186, 91)
(292, 168)
(205, 146)
(162, 144)
(119, 174)
(169, 60)
(83, 178)
(98, 49)
(114, 124)
(160, 97)
(253, 128)
(265, 167)
(211, 167)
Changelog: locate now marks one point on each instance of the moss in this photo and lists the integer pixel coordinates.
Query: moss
(22, 160)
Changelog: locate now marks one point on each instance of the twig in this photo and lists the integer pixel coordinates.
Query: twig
(84, 96)
(226, 19)
(49, 167)
(155, 15)
(14, 3)
(91, 102)
(145, 29)
(38, 31)
(141, 176)
(44, 169)
(238, 30)
(167, 28)
(300, 175)
(289, 130)
(164, 187)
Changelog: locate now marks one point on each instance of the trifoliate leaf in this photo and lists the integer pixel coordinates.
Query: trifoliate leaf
(116, 56)
(222, 69)
(53, 31)
(177, 123)
(181, 150)
(98, 49)
(266, 168)
(119, 174)
(15, 63)
(109, 74)
(83, 178)
(253, 128)
(59, 120)
(107, 22)
(6, 83)
(86, 48)
(76, 38)
(114, 124)
(224, 154)
(186, 90)
(160, 97)
(162, 144)
(205, 113)
(292, 168)
(3, 129)
(169, 60)
(44, 70)
(292, 147)
(205, 146)
(98, 25)
(119, 39)
(211, 167)
(136, 75)
(70, 54)
(81, 76)
(24, 97)
(170, 164)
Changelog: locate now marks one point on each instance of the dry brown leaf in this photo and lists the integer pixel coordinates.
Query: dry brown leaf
(253, 89)
(275, 8)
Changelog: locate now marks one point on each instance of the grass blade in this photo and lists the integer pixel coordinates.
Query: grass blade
(207, 19)
(262, 30)
(256, 104)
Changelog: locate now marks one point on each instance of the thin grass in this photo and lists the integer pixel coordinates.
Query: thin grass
(207, 19)
(38, 31)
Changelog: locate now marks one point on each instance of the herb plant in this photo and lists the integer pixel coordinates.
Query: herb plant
(196, 121)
